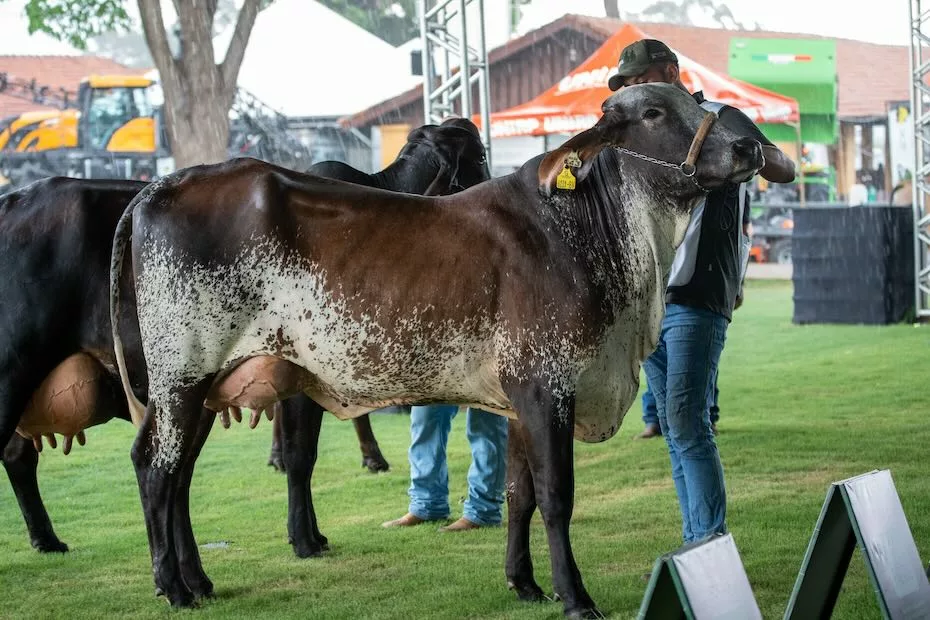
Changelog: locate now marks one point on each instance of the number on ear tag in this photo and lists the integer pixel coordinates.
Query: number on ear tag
(565, 180)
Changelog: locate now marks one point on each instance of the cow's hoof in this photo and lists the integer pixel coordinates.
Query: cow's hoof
(201, 588)
(49, 545)
(309, 550)
(276, 461)
(375, 464)
(587, 613)
(180, 598)
(528, 592)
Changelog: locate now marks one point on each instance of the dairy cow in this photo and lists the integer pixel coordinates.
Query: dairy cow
(534, 295)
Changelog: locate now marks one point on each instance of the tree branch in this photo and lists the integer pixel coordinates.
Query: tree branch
(240, 39)
(153, 25)
(611, 8)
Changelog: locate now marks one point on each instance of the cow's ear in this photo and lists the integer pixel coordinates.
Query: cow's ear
(421, 134)
(578, 154)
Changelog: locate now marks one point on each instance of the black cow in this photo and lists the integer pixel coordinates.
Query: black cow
(57, 369)
(55, 336)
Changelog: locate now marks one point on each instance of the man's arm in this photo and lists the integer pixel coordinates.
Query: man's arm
(778, 167)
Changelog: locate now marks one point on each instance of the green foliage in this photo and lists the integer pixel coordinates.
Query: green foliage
(395, 21)
(76, 21)
(800, 408)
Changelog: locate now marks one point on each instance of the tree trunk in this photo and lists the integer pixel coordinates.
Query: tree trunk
(198, 91)
(610, 6)
(198, 128)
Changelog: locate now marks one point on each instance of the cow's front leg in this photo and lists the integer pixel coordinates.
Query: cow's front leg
(166, 438)
(371, 453)
(521, 504)
(20, 460)
(547, 430)
(301, 419)
(185, 544)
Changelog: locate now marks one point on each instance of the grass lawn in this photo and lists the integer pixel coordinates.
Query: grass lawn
(800, 407)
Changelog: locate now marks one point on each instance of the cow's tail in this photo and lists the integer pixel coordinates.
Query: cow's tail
(121, 240)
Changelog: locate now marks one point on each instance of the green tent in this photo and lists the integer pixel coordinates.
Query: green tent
(804, 69)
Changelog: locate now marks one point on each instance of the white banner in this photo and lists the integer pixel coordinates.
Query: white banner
(900, 140)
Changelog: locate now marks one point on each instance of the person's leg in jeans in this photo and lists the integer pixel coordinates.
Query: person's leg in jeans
(487, 436)
(656, 367)
(650, 416)
(429, 475)
(680, 372)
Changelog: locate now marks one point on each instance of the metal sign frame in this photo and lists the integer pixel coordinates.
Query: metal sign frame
(439, 99)
(920, 113)
(863, 511)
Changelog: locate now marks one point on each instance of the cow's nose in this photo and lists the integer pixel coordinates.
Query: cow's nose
(749, 150)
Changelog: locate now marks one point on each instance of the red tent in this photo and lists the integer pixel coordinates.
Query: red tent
(574, 104)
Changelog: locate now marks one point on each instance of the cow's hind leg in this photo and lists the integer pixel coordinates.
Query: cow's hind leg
(521, 504)
(21, 460)
(275, 459)
(371, 453)
(166, 439)
(301, 419)
(185, 543)
(547, 429)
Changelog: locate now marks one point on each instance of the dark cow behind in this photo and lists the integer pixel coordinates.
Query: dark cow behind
(57, 368)
(534, 295)
(56, 342)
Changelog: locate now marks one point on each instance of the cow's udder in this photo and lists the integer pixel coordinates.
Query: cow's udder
(257, 383)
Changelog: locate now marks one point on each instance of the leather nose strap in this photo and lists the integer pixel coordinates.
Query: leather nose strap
(687, 166)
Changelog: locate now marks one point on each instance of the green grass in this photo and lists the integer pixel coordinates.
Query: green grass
(800, 407)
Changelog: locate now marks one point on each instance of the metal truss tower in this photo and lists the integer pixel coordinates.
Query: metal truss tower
(920, 113)
(442, 89)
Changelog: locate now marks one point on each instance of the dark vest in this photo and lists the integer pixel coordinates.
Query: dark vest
(710, 263)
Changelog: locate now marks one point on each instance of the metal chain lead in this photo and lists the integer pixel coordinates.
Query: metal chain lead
(652, 160)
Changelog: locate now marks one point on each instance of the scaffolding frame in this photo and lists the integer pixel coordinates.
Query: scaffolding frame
(920, 115)
(444, 89)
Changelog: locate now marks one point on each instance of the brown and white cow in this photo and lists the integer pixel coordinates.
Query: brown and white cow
(254, 283)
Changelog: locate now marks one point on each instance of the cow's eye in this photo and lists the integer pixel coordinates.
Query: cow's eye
(651, 114)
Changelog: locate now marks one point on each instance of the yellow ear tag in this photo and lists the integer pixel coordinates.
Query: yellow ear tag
(565, 180)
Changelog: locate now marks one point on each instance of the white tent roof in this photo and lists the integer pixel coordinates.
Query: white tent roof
(306, 60)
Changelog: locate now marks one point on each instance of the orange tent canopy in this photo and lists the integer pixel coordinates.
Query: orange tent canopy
(574, 104)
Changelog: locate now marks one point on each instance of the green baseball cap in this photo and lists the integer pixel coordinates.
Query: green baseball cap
(637, 57)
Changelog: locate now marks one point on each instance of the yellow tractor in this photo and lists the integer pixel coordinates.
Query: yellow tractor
(111, 128)
(108, 129)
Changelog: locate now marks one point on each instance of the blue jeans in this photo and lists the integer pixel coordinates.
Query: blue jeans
(429, 476)
(651, 414)
(680, 373)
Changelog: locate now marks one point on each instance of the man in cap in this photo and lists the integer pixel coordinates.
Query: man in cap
(704, 282)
